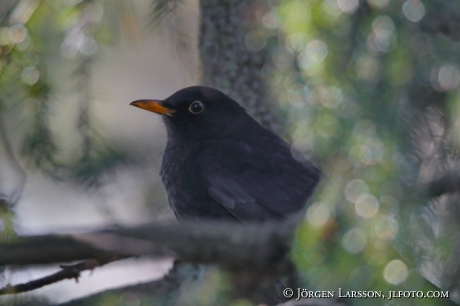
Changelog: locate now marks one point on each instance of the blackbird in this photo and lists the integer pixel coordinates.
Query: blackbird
(219, 163)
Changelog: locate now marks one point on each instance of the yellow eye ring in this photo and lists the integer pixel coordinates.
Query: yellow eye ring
(196, 107)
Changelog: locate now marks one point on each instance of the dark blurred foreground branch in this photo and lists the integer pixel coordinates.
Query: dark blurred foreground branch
(259, 251)
(229, 244)
(448, 183)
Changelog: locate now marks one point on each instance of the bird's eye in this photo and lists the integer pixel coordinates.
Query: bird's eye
(196, 107)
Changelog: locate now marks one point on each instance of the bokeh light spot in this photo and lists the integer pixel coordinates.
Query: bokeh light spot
(371, 151)
(318, 214)
(348, 6)
(297, 41)
(30, 75)
(330, 9)
(448, 77)
(271, 20)
(354, 240)
(17, 33)
(355, 189)
(395, 272)
(414, 10)
(330, 97)
(383, 26)
(382, 38)
(367, 206)
(315, 52)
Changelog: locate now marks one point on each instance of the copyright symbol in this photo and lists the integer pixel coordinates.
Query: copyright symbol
(288, 293)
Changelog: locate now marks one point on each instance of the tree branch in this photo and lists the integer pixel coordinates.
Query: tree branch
(243, 250)
(66, 272)
(206, 242)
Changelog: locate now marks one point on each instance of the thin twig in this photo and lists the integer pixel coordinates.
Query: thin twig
(66, 272)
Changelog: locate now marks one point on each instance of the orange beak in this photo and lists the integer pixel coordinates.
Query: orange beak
(153, 106)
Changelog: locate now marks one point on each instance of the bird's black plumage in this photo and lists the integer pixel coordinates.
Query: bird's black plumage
(220, 163)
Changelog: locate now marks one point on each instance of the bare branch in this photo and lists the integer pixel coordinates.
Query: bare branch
(66, 272)
(206, 242)
(249, 253)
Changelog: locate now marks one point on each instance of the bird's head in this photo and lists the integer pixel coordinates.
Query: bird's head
(197, 112)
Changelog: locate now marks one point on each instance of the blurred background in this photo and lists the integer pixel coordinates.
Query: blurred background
(366, 89)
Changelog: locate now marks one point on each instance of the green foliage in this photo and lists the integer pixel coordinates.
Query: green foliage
(24, 36)
(7, 233)
(371, 89)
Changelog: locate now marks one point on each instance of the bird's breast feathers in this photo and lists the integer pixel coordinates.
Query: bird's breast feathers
(251, 183)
